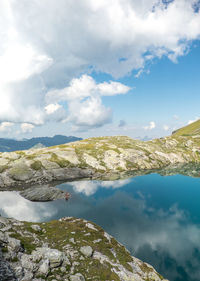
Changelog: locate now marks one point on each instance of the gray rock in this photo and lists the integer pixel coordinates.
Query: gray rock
(28, 276)
(44, 268)
(3, 238)
(21, 172)
(36, 227)
(86, 251)
(27, 262)
(14, 245)
(6, 272)
(19, 271)
(43, 193)
(55, 257)
(63, 269)
(77, 277)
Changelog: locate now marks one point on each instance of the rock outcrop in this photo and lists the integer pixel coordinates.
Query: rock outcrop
(102, 158)
(43, 193)
(68, 249)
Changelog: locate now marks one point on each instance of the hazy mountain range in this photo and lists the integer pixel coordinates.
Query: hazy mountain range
(12, 145)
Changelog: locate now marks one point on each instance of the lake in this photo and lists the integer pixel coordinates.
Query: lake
(157, 218)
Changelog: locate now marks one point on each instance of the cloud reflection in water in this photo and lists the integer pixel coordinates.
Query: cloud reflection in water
(13, 205)
(166, 237)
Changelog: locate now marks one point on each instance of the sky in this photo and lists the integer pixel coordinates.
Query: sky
(95, 68)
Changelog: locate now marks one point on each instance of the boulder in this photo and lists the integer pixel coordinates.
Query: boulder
(42, 194)
(44, 268)
(86, 251)
(21, 172)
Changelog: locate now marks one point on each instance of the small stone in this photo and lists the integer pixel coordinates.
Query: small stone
(97, 241)
(66, 261)
(14, 244)
(44, 268)
(27, 263)
(36, 227)
(72, 240)
(86, 251)
(28, 276)
(63, 269)
(77, 277)
(55, 257)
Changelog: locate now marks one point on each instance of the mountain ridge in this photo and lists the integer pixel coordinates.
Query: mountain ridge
(9, 145)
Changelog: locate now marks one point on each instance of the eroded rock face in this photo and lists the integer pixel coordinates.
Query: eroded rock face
(43, 193)
(47, 252)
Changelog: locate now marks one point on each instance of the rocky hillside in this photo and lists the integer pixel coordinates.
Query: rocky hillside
(189, 130)
(69, 249)
(103, 157)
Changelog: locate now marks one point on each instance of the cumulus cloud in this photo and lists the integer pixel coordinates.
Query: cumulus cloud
(90, 187)
(191, 121)
(27, 127)
(51, 108)
(151, 126)
(4, 126)
(44, 45)
(83, 97)
(166, 127)
(13, 205)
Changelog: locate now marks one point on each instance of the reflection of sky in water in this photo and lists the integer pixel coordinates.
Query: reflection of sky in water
(157, 218)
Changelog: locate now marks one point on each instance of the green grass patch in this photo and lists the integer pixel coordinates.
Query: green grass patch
(63, 163)
(3, 168)
(36, 165)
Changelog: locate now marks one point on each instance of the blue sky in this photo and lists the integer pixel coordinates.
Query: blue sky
(123, 67)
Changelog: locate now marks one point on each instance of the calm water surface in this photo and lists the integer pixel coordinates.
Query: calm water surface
(157, 218)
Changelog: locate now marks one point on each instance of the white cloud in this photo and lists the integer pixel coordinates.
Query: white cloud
(43, 45)
(90, 187)
(191, 121)
(4, 126)
(151, 126)
(27, 127)
(13, 205)
(112, 88)
(166, 127)
(51, 108)
(83, 96)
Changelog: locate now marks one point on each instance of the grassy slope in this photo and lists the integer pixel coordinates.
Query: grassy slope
(189, 130)
(71, 233)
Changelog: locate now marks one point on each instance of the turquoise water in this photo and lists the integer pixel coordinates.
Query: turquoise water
(157, 218)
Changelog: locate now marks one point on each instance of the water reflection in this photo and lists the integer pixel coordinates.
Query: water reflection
(91, 187)
(13, 205)
(157, 218)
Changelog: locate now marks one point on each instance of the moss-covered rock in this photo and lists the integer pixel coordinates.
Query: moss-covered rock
(68, 249)
(20, 172)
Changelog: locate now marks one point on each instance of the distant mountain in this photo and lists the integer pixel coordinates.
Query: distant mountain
(189, 130)
(7, 145)
(145, 138)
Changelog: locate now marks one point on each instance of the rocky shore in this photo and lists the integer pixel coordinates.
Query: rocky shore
(98, 158)
(69, 250)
